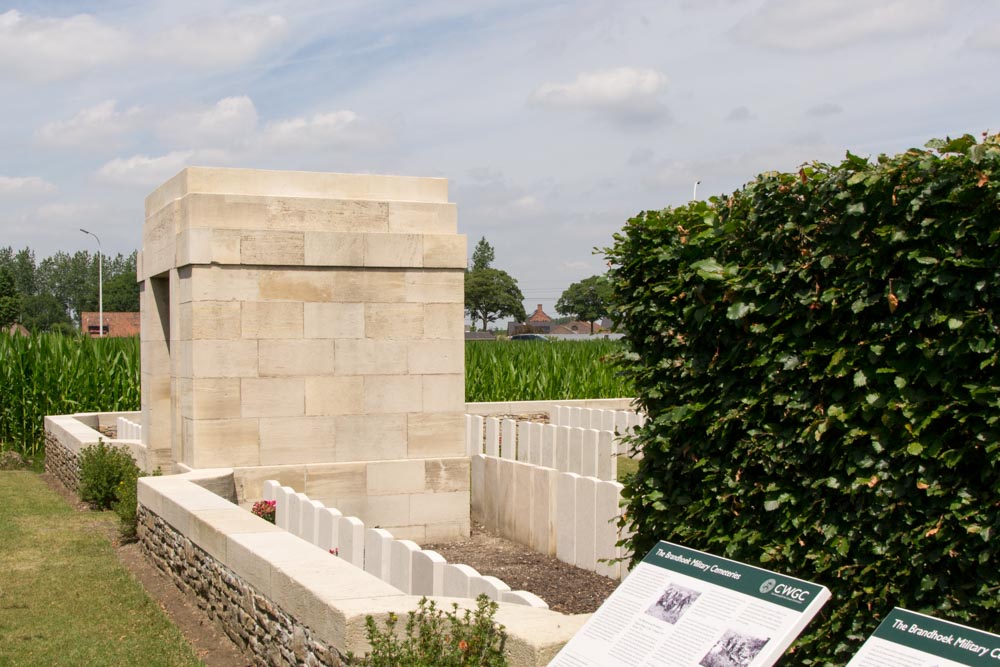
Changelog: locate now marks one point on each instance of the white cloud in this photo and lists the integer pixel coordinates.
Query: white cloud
(228, 121)
(43, 48)
(986, 37)
(145, 170)
(93, 126)
(25, 185)
(220, 43)
(336, 128)
(625, 93)
(740, 113)
(824, 109)
(57, 212)
(826, 24)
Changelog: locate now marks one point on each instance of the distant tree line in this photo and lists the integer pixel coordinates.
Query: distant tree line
(50, 295)
(491, 294)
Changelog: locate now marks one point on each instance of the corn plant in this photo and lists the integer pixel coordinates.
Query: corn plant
(513, 371)
(52, 374)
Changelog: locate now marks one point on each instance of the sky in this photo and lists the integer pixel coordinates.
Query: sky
(554, 121)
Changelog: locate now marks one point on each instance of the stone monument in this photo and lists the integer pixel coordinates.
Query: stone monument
(308, 327)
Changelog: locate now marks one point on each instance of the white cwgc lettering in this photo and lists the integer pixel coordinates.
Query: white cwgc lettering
(726, 573)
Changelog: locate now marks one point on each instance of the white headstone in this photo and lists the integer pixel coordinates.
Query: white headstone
(401, 564)
(491, 447)
(378, 543)
(566, 517)
(456, 580)
(586, 523)
(428, 573)
(351, 533)
(328, 529)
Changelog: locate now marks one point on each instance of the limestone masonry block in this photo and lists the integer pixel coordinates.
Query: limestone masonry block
(263, 319)
(272, 247)
(371, 357)
(420, 218)
(446, 475)
(439, 507)
(272, 397)
(392, 393)
(210, 320)
(250, 481)
(222, 283)
(336, 480)
(334, 249)
(224, 442)
(427, 357)
(334, 320)
(395, 477)
(302, 286)
(435, 434)
(334, 395)
(444, 320)
(444, 251)
(444, 393)
(296, 357)
(371, 437)
(292, 440)
(224, 358)
(394, 250)
(435, 286)
(210, 398)
(394, 320)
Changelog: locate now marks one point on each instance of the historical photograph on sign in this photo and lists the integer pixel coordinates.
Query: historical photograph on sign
(735, 649)
(673, 603)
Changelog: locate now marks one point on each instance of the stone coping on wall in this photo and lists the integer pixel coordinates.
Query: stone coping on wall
(327, 595)
(533, 407)
(79, 430)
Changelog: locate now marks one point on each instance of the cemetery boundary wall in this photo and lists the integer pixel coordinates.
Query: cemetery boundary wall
(283, 599)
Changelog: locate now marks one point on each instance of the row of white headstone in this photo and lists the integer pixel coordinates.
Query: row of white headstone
(622, 422)
(566, 515)
(585, 451)
(400, 563)
(128, 430)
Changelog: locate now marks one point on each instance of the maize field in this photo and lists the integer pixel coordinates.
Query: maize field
(52, 374)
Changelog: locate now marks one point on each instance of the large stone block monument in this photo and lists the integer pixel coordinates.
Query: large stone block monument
(308, 327)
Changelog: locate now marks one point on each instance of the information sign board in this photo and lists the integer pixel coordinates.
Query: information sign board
(685, 608)
(915, 640)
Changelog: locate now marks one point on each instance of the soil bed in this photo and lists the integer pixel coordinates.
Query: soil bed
(565, 588)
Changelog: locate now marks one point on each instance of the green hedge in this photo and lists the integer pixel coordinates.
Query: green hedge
(817, 354)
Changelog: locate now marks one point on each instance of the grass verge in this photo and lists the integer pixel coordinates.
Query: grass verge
(64, 597)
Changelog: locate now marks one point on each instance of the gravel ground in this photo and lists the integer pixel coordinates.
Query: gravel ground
(565, 588)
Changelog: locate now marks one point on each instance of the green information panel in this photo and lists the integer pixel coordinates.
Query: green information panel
(915, 640)
(685, 608)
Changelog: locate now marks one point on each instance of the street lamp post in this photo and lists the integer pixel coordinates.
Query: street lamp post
(100, 283)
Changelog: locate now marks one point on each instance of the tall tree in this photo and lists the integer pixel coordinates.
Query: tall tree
(483, 255)
(10, 300)
(588, 300)
(490, 293)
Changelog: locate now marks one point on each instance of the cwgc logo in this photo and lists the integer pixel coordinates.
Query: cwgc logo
(768, 586)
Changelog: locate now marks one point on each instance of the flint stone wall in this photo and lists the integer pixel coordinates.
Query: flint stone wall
(266, 634)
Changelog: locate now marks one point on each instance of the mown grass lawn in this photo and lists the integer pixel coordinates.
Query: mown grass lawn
(64, 597)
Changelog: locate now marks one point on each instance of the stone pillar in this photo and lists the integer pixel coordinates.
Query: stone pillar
(309, 327)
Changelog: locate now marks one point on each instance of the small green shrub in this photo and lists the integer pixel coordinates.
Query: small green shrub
(439, 639)
(103, 468)
(126, 503)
